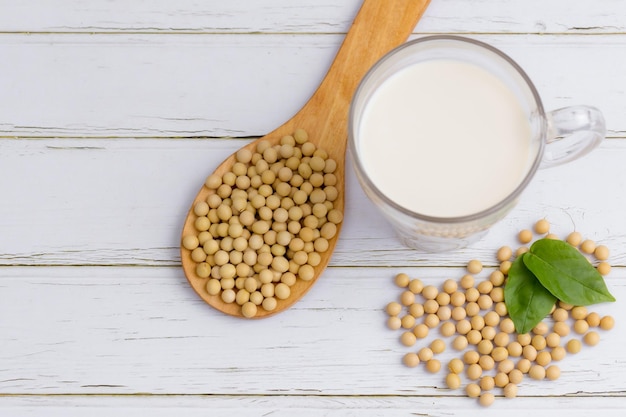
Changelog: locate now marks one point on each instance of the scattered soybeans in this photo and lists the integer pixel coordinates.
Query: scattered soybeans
(456, 366)
(453, 381)
(504, 254)
(537, 372)
(601, 253)
(433, 366)
(486, 383)
(474, 266)
(408, 339)
(510, 390)
(542, 227)
(516, 377)
(553, 372)
(472, 315)
(411, 360)
(472, 390)
(573, 346)
(525, 236)
(592, 338)
(588, 246)
(574, 238)
(402, 280)
(607, 323)
(486, 399)
(604, 268)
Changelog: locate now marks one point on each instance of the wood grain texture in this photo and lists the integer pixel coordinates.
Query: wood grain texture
(298, 16)
(88, 330)
(123, 201)
(137, 85)
(305, 406)
(105, 110)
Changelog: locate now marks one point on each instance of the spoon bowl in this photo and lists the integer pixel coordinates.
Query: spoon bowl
(379, 26)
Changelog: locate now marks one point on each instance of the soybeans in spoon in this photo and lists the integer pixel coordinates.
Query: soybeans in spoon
(267, 225)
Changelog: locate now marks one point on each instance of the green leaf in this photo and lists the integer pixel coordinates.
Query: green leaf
(527, 301)
(566, 273)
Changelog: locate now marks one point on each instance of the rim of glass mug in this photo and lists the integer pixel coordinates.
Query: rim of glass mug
(549, 131)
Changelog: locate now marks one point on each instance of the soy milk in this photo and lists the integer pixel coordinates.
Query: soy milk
(444, 138)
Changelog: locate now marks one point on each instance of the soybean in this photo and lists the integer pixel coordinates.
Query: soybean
(491, 334)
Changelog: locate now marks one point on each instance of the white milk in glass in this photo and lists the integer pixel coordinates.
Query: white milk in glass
(444, 138)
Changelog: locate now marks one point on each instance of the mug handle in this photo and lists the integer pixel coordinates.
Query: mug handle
(572, 132)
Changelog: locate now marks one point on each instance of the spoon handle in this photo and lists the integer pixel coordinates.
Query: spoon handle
(379, 26)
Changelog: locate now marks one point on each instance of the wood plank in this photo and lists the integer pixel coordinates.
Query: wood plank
(138, 85)
(123, 202)
(82, 337)
(272, 16)
(359, 406)
(88, 330)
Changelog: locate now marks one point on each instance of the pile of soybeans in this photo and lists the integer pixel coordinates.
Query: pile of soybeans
(266, 223)
(473, 316)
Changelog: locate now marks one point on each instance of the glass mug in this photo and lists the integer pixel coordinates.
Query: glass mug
(555, 137)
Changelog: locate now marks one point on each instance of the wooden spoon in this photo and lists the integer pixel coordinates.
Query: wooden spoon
(379, 26)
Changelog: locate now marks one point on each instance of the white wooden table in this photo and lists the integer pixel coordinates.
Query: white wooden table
(111, 115)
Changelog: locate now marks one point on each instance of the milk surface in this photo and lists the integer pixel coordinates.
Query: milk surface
(444, 138)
